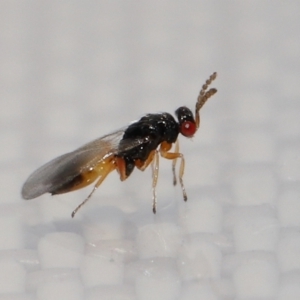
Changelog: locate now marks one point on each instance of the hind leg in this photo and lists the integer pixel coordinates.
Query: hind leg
(103, 169)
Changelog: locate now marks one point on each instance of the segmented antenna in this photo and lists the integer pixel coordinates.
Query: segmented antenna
(204, 95)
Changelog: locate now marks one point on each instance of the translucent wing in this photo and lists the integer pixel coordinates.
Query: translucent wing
(64, 168)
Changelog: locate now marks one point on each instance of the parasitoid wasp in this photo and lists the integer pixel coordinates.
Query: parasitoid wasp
(136, 145)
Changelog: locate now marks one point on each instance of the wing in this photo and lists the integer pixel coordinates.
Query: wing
(64, 168)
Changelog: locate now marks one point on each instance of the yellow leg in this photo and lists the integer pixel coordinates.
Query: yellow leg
(143, 165)
(104, 169)
(155, 169)
(174, 162)
(175, 155)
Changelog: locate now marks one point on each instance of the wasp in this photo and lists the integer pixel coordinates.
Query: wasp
(135, 146)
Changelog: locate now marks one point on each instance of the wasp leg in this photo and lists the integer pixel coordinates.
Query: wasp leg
(142, 165)
(152, 159)
(174, 163)
(103, 170)
(155, 169)
(121, 167)
(164, 147)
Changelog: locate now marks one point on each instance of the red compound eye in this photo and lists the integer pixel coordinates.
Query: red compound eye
(188, 128)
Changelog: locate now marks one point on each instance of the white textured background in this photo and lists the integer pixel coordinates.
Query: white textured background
(71, 71)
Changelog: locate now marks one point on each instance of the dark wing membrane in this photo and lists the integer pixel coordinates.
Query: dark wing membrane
(64, 168)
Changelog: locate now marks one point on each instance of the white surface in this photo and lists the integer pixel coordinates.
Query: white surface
(73, 71)
(60, 250)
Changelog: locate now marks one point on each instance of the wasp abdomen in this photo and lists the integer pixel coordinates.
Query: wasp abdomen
(79, 181)
(68, 186)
